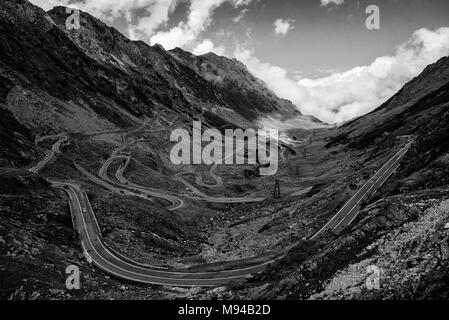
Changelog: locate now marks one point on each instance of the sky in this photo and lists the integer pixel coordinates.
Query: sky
(317, 53)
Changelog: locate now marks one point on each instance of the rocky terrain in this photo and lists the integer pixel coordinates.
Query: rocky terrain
(401, 230)
(111, 95)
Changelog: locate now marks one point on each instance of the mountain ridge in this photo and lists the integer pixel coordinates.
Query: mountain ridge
(181, 75)
(119, 99)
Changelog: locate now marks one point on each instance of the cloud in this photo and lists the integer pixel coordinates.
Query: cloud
(151, 13)
(328, 2)
(159, 12)
(49, 4)
(334, 98)
(345, 95)
(144, 17)
(208, 46)
(241, 15)
(283, 26)
(187, 34)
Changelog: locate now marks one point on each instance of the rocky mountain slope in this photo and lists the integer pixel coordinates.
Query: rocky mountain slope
(107, 94)
(237, 86)
(95, 69)
(111, 95)
(403, 230)
(420, 109)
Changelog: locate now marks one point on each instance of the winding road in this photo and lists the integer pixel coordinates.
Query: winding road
(124, 185)
(207, 198)
(85, 223)
(176, 202)
(49, 155)
(221, 274)
(218, 180)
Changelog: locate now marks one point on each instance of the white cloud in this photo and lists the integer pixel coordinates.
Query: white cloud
(144, 17)
(345, 95)
(207, 46)
(328, 2)
(159, 12)
(152, 13)
(241, 15)
(187, 34)
(49, 4)
(283, 26)
(334, 98)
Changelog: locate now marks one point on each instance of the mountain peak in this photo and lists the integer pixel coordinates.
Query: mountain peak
(175, 78)
(99, 41)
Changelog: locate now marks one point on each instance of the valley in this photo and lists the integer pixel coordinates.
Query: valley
(86, 177)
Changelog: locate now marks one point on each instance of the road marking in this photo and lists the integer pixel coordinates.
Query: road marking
(177, 203)
(367, 192)
(86, 231)
(403, 150)
(141, 274)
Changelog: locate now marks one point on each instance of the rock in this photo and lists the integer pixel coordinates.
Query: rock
(34, 295)
(57, 291)
(444, 252)
(446, 226)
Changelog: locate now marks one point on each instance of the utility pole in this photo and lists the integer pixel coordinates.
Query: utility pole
(277, 189)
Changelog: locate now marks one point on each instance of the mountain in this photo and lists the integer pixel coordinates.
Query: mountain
(403, 229)
(108, 95)
(113, 97)
(241, 99)
(141, 61)
(421, 98)
(237, 86)
(419, 109)
(97, 69)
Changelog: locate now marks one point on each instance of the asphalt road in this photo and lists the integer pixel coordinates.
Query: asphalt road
(49, 155)
(97, 252)
(176, 202)
(218, 180)
(205, 197)
(347, 214)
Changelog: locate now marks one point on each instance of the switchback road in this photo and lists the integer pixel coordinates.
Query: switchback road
(48, 154)
(176, 202)
(211, 199)
(86, 225)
